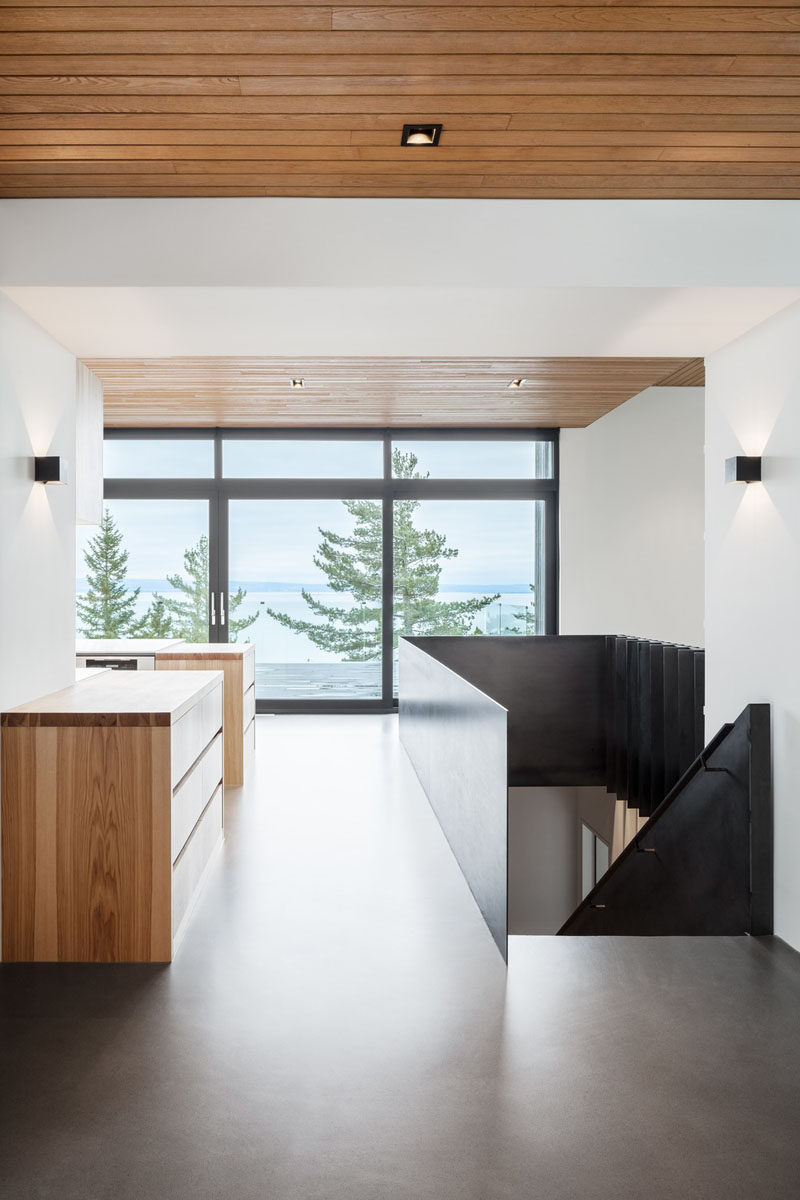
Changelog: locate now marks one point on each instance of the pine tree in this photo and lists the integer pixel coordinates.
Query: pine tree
(108, 609)
(157, 621)
(352, 566)
(189, 616)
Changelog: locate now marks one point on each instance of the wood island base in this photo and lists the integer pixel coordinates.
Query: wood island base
(112, 808)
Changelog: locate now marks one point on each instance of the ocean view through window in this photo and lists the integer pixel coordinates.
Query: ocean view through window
(454, 534)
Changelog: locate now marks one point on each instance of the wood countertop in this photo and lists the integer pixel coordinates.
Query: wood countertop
(207, 650)
(125, 647)
(122, 698)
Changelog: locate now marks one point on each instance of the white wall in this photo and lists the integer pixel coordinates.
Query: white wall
(542, 861)
(544, 852)
(753, 567)
(631, 513)
(37, 522)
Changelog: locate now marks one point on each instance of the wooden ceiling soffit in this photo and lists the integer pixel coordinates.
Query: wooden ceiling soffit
(378, 392)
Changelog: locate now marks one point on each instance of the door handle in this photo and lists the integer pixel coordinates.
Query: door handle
(213, 610)
(222, 608)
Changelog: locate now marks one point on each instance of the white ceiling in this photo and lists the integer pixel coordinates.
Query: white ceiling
(276, 242)
(399, 277)
(158, 322)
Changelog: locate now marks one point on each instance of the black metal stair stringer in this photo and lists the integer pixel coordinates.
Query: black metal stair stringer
(702, 864)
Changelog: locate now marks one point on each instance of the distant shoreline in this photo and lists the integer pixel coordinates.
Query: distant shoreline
(161, 585)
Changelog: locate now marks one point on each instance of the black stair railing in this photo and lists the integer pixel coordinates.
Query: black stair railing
(655, 696)
(702, 863)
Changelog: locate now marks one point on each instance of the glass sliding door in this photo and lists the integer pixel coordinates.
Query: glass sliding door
(469, 567)
(145, 571)
(305, 587)
(323, 548)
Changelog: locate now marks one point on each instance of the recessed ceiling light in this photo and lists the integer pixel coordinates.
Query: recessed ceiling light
(298, 383)
(421, 135)
(517, 383)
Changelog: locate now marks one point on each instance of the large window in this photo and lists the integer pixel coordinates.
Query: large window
(145, 571)
(290, 458)
(324, 548)
(455, 459)
(159, 458)
(468, 567)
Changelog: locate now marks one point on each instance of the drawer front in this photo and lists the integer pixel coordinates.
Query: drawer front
(194, 793)
(249, 706)
(249, 747)
(188, 871)
(192, 733)
(249, 670)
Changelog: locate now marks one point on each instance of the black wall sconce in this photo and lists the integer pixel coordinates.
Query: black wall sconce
(51, 468)
(743, 469)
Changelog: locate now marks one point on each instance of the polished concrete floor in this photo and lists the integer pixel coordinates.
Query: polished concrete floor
(338, 1024)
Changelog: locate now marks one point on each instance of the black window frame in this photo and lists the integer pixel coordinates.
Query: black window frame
(219, 490)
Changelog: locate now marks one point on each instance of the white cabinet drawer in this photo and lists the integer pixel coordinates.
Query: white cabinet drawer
(249, 706)
(248, 670)
(187, 874)
(194, 730)
(194, 793)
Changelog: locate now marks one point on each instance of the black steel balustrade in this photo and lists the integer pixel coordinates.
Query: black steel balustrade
(702, 863)
(655, 697)
(620, 712)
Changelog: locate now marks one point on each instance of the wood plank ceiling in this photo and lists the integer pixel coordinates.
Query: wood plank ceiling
(370, 392)
(307, 98)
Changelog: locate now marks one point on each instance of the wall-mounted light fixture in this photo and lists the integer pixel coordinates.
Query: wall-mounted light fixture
(298, 383)
(743, 469)
(421, 135)
(51, 468)
(517, 383)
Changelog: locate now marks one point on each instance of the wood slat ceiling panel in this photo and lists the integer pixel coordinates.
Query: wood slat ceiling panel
(342, 392)
(307, 97)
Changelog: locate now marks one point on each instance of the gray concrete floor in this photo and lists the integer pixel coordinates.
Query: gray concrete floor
(338, 1023)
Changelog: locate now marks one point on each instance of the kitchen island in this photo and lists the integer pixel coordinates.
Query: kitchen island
(112, 809)
(237, 661)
